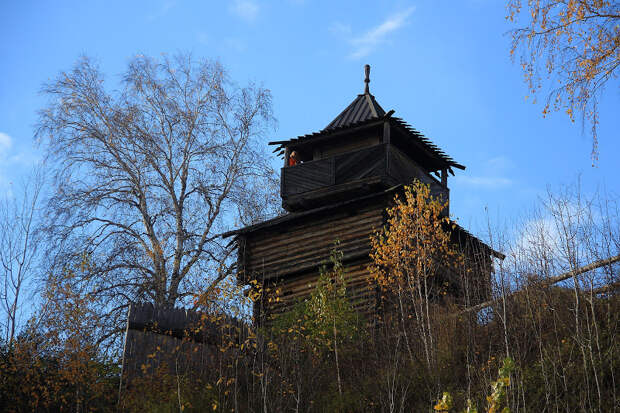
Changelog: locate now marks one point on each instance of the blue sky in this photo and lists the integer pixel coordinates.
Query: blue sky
(443, 66)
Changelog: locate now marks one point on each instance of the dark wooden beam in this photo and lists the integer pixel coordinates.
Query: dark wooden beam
(312, 140)
(386, 132)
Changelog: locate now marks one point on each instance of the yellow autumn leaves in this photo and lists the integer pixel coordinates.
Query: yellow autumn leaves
(416, 241)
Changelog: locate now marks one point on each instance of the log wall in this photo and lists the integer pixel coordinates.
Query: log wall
(303, 246)
(361, 291)
(290, 258)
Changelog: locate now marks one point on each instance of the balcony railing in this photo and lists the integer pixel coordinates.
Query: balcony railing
(383, 162)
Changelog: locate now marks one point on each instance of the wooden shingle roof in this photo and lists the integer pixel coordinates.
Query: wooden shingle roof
(363, 108)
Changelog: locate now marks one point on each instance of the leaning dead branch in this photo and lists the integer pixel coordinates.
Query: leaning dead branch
(554, 280)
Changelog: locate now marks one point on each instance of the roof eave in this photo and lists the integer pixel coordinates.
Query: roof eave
(317, 137)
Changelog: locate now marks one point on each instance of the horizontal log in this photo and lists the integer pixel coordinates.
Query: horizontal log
(364, 226)
(310, 280)
(309, 264)
(314, 225)
(293, 294)
(549, 281)
(317, 249)
(606, 288)
(360, 290)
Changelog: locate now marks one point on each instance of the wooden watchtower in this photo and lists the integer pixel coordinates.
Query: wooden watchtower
(348, 174)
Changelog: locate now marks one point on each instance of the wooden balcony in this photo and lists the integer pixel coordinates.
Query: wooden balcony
(357, 173)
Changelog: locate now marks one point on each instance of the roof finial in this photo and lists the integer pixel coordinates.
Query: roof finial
(367, 80)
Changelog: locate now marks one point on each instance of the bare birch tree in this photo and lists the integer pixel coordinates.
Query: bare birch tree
(146, 177)
(19, 246)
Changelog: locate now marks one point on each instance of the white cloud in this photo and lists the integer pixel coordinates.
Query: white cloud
(15, 157)
(5, 142)
(562, 232)
(246, 9)
(541, 233)
(541, 240)
(366, 43)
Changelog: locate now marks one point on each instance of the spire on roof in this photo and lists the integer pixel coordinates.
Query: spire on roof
(363, 107)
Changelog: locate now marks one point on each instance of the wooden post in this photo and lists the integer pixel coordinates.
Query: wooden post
(386, 132)
(241, 257)
(386, 140)
(444, 177)
(316, 154)
(287, 154)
